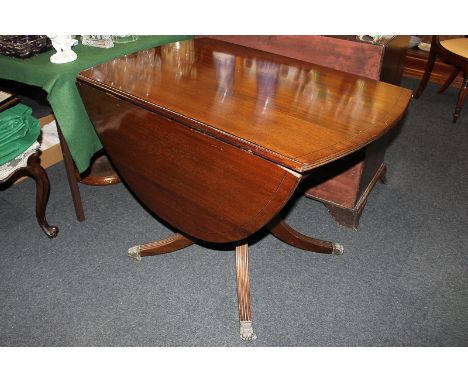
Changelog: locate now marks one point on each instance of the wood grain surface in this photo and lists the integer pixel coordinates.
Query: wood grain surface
(214, 138)
(204, 187)
(296, 114)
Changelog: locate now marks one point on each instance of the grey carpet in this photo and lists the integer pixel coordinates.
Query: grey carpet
(403, 280)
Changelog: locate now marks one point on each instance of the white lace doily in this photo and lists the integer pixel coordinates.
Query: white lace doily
(20, 161)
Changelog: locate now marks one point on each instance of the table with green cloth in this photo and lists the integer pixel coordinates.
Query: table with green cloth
(58, 80)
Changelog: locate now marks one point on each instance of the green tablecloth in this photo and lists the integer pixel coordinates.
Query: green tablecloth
(18, 131)
(58, 80)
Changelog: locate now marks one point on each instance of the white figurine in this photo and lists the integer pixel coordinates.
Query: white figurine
(62, 44)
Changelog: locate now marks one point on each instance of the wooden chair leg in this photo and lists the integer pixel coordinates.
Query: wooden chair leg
(243, 292)
(383, 174)
(461, 99)
(42, 194)
(172, 243)
(427, 73)
(71, 175)
(449, 80)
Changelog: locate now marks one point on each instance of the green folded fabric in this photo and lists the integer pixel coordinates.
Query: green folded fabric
(59, 81)
(18, 131)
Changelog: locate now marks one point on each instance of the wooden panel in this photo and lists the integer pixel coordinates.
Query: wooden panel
(339, 182)
(384, 61)
(295, 114)
(341, 54)
(343, 182)
(393, 61)
(375, 153)
(204, 187)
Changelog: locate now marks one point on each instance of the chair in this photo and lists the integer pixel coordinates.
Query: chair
(26, 162)
(455, 53)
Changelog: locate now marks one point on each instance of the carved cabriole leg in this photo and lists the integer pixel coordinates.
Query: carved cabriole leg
(243, 292)
(42, 194)
(171, 243)
(289, 235)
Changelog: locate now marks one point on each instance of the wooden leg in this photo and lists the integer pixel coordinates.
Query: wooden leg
(427, 73)
(449, 80)
(172, 243)
(349, 217)
(383, 174)
(243, 292)
(461, 99)
(71, 175)
(289, 235)
(346, 217)
(42, 194)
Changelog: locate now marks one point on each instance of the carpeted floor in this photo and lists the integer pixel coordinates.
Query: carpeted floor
(403, 280)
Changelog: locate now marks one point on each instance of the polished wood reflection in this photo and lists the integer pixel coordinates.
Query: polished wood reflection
(296, 114)
(204, 187)
(215, 138)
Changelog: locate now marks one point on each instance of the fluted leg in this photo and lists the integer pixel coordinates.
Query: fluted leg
(243, 292)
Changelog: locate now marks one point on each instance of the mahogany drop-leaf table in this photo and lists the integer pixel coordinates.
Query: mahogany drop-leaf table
(214, 138)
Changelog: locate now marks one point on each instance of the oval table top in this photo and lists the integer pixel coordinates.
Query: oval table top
(296, 114)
